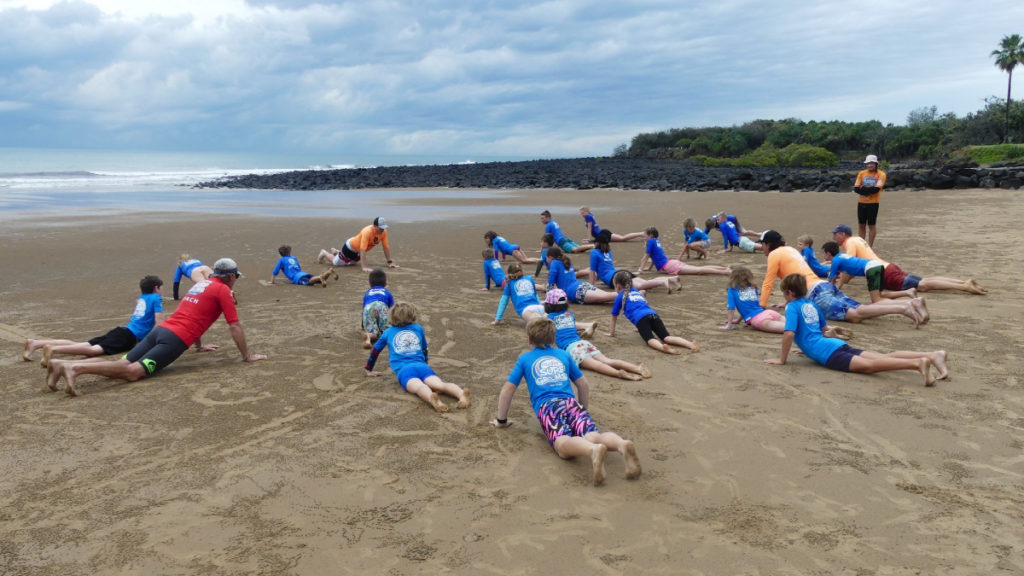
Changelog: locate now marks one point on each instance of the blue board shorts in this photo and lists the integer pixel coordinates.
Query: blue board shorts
(833, 303)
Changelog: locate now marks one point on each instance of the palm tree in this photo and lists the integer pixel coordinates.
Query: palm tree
(1010, 53)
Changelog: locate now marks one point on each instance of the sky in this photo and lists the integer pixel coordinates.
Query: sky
(513, 78)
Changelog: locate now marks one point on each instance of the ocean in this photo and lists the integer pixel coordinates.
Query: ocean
(49, 185)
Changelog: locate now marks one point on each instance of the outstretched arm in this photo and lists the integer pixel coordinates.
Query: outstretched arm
(787, 343)
(504, 405)
(238, 335)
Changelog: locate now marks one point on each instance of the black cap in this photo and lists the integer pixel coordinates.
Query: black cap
(771, 237)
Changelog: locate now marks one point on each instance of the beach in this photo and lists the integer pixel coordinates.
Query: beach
(301, 464)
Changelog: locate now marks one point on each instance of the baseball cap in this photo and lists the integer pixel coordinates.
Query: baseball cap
(771, 237)
(871, 158)
(226, 266)
(556, 296)
(844, 229)
(380, 222)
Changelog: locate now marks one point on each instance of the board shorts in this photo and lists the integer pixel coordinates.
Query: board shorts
(764, 316)
(705, 243)
(579, 297)
(564, 417)
(580, 350)
(116, 341)
(867, 213)
(896, 279)
(672, 267)
(650, 326)
(414, 371)
(833, 303)
(535, 308)
(874, 276)
(376, 318)
(304, 279)
(157, 350)
(842, 357)
(567, 245)
(746, 244)
(346, 257)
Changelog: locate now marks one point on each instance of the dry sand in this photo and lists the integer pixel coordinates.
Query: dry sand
(302, 465)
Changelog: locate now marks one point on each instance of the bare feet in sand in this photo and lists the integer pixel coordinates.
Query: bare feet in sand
(924, 366)
(938, 360)
(974, 288)
(589, 332)
(674, 285)
(53, 374)
(26, 354)
(436, 402)
(464, 399)
(629, 376)
(645, 372)
(632, 462)
(366, 342)
(921, 306)
(670, 350)
(597, 455)
(47, 356)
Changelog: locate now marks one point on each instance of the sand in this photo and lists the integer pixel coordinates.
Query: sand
(302, 465)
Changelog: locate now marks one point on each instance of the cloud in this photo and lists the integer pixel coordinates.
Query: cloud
(521, 78)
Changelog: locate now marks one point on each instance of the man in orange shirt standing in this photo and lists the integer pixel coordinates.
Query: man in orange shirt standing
(356, 247)
(868, 185)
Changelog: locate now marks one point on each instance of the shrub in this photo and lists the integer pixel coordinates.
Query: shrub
(991, 154)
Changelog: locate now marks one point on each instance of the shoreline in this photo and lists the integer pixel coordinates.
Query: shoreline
(300, 464)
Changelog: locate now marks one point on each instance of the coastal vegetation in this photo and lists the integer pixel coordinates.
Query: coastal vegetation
(927, 136)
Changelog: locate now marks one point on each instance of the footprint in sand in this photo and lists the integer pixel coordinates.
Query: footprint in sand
(205, 397)
(449, 335)
(325, 383)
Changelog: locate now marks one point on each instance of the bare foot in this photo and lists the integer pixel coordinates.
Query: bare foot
(938, 360)
(597, 455)
(26, 354)
(464, 399)
(924, 366)
(694, 347)
(644, 371)
(974, 288)
(913, 313)
(670, 350)
(334, 273)
(674, 285)
(922, 309)
(47, 356)
(68, 372)
(53, 375)
(366, 342)
(629, 376)
(436, 402)
(632, 462)
(589, 332)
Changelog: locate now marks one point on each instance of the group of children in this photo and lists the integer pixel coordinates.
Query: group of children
(561, 346)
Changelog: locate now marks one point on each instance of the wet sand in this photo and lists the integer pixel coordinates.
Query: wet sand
(302, 465)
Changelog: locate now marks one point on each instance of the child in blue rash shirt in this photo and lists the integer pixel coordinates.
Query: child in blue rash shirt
(804, 324)
(744, 297)
(522, 292)
(696, 240)
(563, 275)
(550, 375)
(585, 354)
(289, 265)
(148, 312)
(492, 270)
(602, 267)
(407, 354)
(872, 270)
(732, 233)
(561, 240)
(377, 303)
(805, 244)
(503, 248)
(192, 269)
(646, 320)
(654, 255)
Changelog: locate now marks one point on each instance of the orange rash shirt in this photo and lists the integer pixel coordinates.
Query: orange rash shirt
(869, 178)
(782, 262)
(368, 238)
(858, 247)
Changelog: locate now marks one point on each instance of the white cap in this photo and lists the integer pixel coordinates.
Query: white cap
(226, 266)
(871, 158)
(380, 222)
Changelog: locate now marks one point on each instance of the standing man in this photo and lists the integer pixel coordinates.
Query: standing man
(868, 185)
(199, 309)
(356, 247)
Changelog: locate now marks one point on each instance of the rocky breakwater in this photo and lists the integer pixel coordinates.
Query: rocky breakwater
(622, 173)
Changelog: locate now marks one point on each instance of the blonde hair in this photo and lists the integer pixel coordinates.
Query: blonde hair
(514, 270)
(585, 209)
(806, 240)
(690, 223)
(741, 277)
(541, 331)
(184, 256)
(403, 314)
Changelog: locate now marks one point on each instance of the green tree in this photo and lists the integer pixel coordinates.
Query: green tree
(1009, 54)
